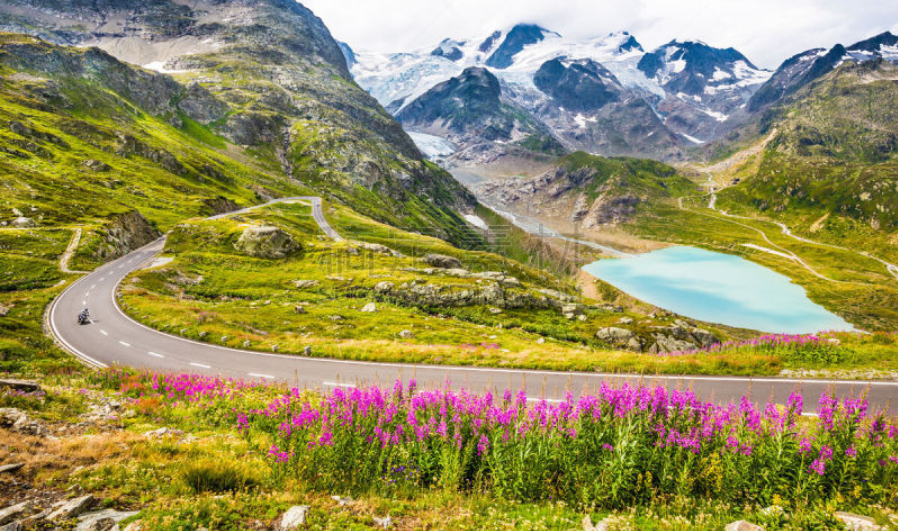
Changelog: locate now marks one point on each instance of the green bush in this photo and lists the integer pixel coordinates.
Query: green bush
(218, 477)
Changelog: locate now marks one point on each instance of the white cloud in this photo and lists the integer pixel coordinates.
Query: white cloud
(767, 31)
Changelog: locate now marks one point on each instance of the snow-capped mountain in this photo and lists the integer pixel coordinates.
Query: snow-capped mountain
(660, 101)
(803, 68)
(514, 56)
(704, 87)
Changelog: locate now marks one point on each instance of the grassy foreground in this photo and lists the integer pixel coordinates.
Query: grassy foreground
(235, 455)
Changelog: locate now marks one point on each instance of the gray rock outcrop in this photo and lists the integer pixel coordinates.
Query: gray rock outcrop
(442, 261)
(619, 338)
(22, 222)
(293, 518)
(266, 242)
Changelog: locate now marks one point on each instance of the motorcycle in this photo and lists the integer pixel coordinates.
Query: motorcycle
(84, 317)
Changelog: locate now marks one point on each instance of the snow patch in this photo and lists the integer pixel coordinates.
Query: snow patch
(432, 146)
(678, 66)
(581, 120)
(720, 74)
(476, 221)
(159, 66)
(692, 139)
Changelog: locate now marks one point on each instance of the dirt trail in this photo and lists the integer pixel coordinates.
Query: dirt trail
(69, 251)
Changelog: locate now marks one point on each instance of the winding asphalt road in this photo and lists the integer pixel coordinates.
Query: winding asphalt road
(115, 339)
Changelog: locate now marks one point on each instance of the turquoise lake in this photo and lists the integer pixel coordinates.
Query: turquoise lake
(717, 288)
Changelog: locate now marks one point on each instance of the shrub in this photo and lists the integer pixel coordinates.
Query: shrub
(218, 477)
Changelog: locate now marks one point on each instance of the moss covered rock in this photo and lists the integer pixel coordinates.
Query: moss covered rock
(267, 242)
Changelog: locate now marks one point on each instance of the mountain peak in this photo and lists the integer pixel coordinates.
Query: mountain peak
(520, 36)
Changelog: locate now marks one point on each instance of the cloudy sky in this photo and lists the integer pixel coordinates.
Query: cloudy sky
(767, 31)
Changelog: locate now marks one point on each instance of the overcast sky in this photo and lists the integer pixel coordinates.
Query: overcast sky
(766, 31)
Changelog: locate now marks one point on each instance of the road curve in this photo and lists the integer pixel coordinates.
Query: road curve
(115, 339)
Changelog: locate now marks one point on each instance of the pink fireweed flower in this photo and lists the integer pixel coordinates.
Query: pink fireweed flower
(483, 445)
(818, 466)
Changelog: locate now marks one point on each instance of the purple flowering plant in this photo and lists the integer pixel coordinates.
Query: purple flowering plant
(612, 447)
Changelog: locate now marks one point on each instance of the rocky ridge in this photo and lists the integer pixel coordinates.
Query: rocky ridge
(257, 73)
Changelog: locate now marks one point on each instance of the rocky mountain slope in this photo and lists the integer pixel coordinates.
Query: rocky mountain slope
(604, 95)
(588, 191)
(267, 81)
(471, 111)
(800, 70)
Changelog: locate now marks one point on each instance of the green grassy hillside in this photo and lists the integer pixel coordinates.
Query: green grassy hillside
(831, 168)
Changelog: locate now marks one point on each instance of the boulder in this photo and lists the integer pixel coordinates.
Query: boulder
(299, 309)
(104, 520)
(442, 261)
(95, 165)
(4, 310)
(742, 525)
(705, 338)
(669, 343)
(161, 432)
(555, 294)
(9, 469)
(266, 242)
(303, 284)
(343, 501)
(406, 334)
(571, 311)
(384, 522)
(614, 335)
(22, 222)
(14, 512)
(369, 308)
(293, 518)
(500, 277)
(625, 321)
(12, 526)
(856, 522)
(17, 421)
(384, 287)
(72, 508)
(380, 249)
(19, 385)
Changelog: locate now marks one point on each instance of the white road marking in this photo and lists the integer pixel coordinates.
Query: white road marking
(155, 355)
(264, 376)
(102, 279)
(337, 384)
(84, 303)
(92, 287)
(125, 344)
(200, 365)
(104, 332)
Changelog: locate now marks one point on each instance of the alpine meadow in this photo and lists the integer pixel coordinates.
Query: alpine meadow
(448, 266)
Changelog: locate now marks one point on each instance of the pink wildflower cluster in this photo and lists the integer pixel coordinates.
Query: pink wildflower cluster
(507, 440)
